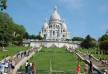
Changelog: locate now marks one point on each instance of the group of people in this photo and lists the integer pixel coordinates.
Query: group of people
(24, 53)
(105, 62)
(6, 66)
(71, 48)
(30, 68)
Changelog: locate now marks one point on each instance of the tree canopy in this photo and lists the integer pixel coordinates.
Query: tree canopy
(88, 42)
(77, 39)
(10, 32)
(103, 43)
(38, 37)
(103, 38)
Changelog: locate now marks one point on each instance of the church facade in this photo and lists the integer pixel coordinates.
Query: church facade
(55, 29)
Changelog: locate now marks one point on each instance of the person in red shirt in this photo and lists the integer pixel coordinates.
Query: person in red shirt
(78, 69)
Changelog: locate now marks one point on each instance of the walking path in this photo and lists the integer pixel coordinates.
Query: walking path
(21, 62)
(24, 59)
(98, 65)
(19, 59)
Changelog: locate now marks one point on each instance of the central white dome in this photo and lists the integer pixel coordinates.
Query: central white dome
(55, 15)
(55, 28)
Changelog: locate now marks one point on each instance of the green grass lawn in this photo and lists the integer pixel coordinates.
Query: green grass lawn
(95, 53)
(60, 58)
(11, 50)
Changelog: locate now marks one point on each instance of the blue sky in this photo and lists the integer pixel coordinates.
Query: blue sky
(83, 17)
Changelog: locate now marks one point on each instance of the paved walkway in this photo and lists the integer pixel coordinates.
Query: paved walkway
(98, 65)
(20, 59)
(23, 60)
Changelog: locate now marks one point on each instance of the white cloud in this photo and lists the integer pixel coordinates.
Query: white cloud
(75, 4)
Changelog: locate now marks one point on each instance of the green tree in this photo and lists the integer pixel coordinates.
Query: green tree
(77, 39)
(18, 34)
(39, 37)
(103, 38)
(10, 32)
(88, 42)
(26, 35)
(32, 36)
(103, 43)
(5, 29)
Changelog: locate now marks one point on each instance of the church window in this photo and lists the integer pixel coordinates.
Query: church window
(57, 26)
(53, 32)
(63, 35)
(50, 26)
(45, 35)
(54, 26)
(63, 30)
(50, 33)
(57, 33)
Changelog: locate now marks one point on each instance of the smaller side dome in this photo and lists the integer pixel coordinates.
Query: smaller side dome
(45, 25)
(64, 26)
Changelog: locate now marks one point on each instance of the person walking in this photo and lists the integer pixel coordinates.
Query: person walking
(90, 70)
(26, 67)
(29, 68)
(78, 69)
(33, 68)
(86, 69)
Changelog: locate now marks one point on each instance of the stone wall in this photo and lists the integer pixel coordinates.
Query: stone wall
(48, 44)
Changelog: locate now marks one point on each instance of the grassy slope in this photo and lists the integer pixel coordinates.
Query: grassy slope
(11, 51)
(61, 59)
(93, 52)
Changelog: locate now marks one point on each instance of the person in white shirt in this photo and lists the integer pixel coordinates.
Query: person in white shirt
(26, 66)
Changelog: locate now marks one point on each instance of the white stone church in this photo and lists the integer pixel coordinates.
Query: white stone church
(55, 29)
(55, 33)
